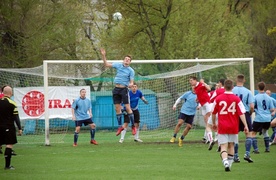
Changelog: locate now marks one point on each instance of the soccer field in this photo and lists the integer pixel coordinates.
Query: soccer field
(153, 159)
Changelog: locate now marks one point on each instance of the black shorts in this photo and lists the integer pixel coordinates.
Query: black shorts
(8, 136)
(259, 126)
(248, 121)
(186, 118)
(120, 95)
(85, 122)
(136, 114)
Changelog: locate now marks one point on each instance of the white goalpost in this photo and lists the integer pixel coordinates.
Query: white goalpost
(160, 80)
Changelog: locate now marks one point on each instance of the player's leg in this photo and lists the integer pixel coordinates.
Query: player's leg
(137, 125)
(125, 99)
(117, 100)
(236, 145)
(177, 127)
(266, 126)
(92, 131)
(249, 139)
(9, 139)
(209, 133)
(189, 121)
(223, 141)
(230, 151)
(123, 133)
(8, 154)
(78, 124)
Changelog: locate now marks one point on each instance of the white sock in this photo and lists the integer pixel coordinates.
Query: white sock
(123, 133)
(210, 136)
(136, 136)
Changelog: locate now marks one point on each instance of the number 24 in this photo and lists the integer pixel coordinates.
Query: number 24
(230, 109)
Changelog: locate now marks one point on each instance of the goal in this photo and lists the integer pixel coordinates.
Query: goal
(161, 82)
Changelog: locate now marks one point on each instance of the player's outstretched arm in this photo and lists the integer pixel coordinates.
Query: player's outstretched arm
(106, 64)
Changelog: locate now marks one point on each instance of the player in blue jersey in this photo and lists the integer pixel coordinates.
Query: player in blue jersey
(187, 114)
(248, 101)
(272, 138)
(82, 114)
(264, 109)
(124, 78)
(135, 94)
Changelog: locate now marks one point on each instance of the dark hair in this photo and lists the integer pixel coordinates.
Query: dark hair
(261, 86)
(240, 78)
(222, 81)
(193, 78)
(228, 85)
(129, 57)
(82, 90)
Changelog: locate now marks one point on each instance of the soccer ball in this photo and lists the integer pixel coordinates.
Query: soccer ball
(117, 16)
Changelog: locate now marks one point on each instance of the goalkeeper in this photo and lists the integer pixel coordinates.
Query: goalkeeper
(187, 114)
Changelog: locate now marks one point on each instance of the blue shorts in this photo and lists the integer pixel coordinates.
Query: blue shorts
(120, 95)
(248, 121)
(85, 122)
(186, 118)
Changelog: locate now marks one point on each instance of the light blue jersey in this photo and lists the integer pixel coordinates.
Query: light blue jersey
(134, 99)
(245, 96)
(81, 107)
(190, 104)
(263, 105)
(124, 74)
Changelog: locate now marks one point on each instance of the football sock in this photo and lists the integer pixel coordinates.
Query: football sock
(131, 117)
(182, 137)
(236, 149)
(92, 133)
(266, 141)
(136, 136)
(76, 135)
(174, 135)
(8, 153)
(248, 143)
(230, 159)
(119, 119)
(123, 133)
(255, 143)
(210, 136)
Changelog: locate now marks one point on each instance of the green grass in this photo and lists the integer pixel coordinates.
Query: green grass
(153, 159)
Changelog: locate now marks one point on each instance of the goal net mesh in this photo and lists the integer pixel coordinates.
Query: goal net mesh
(160, 83)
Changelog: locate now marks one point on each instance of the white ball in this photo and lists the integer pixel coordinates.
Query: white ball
(117, 16)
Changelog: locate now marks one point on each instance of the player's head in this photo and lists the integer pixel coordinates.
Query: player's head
(127, 60)
(82, 93)
(240, 78)
(193, 80)
(134, 87)
(228, 85)
(221, 82)
(268, 92)
(7, 91)
(261, 86)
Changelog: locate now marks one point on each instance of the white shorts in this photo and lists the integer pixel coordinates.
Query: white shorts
(210, 120)
(207, 107)
(226, 138)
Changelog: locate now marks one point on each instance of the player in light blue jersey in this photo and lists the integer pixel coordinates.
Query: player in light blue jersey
(186, 114)
(124, 78)
(248, 101)
(272, 138)
(82, 114)
(264, 109)
(135, 94)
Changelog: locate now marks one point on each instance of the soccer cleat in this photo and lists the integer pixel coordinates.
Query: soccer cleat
(120, 129)
(247, 158)
(172, 140)
(211, 144)
(9, 168)
(270, 143)
(75, 144)
(93, 142)
(133, 130)
(256, 152)
(138, 140)
(267, 150)
(121, 140)
(226, 166)
(180, 142)
(237, 159)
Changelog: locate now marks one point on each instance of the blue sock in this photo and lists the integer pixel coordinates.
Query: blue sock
(92, 133)
(248, 143)
(76, 135)
(119, 119)
(236, 148)
(273, 134)
(266, 141)
(255, 143)
(131, 117)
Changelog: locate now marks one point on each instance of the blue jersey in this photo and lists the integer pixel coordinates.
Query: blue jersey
(263, 105)
(134, 99)
(81, 107)
(245, 96)
(124, 74)
(190, 104)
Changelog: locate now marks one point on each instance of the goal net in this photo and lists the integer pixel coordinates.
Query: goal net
(44, 94)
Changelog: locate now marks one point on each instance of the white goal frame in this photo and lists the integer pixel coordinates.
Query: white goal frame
(45, 76)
